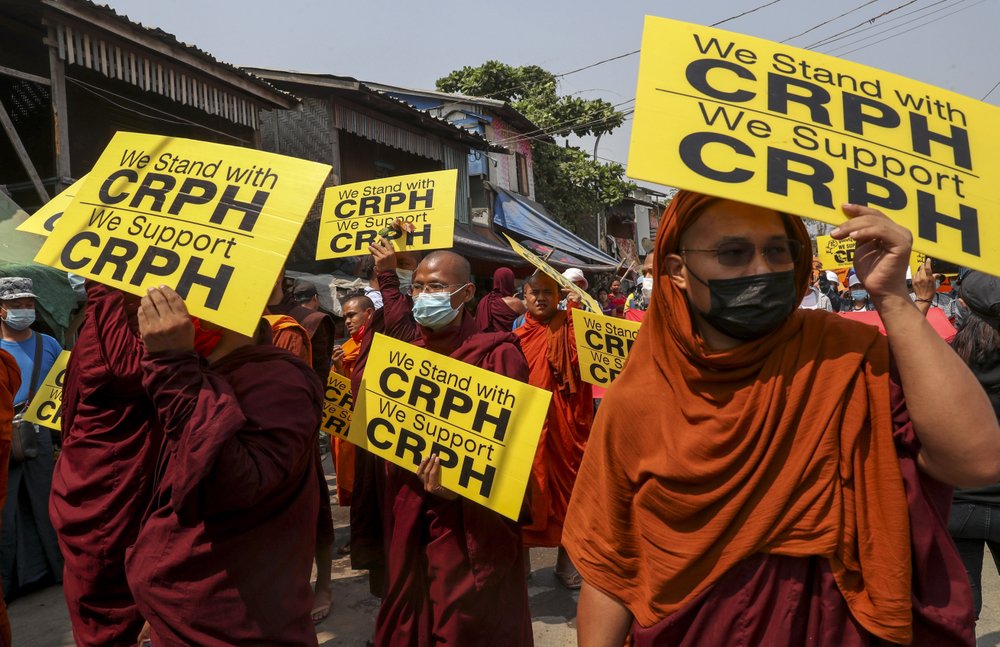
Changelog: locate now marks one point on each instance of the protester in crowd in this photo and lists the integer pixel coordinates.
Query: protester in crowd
(617, 298)
(550, 348)
(29, 550)
(304, 293)
(497, 310)
(394, 319)
(358, 314)
(575, 276)
(288, 334)
(225, 553)
(103, 480)
(925, 292)
(828, 283)
(814, 299)
(10, 382)
(726, 497)
(858, 296)
(455, 568)
(606, 307)
(975, 512)
(638, 301)
(318, 324)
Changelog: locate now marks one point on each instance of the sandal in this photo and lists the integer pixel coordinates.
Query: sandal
(572, 581)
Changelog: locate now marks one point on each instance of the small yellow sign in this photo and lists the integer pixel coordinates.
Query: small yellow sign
(356, 215)
(800, 132)
(214, 222)
(839, 254)
(589, 302)
(484, 426)
(338, 405)
(45, 408)
(603, 344)
(43, 221)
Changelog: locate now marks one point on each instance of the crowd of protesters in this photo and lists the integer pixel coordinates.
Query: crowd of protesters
(763, 471)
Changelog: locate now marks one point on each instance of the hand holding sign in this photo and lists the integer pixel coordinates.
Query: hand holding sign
(429, 473)
(164, 322)
(882, 253)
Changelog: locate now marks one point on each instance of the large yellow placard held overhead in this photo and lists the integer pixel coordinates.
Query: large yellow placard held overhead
(588, 302)
(800, 132)
(602, 344)
(484, 426)
(43, 221)
(356, 215)
(214, 222)
(338, 406)
(45, 407)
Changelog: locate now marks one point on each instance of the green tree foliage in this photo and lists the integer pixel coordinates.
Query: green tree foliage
(567, 180)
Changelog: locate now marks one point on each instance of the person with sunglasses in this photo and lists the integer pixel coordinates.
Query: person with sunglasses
(726, 498)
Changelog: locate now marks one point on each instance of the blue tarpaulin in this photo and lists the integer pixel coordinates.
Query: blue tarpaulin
(528, 218)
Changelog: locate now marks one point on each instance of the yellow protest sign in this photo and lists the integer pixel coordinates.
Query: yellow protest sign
(337, 405)
(484, 426)
(214, 222)
(837, 254)
(355, 215)
(46, 407)
(801, 132)
(589, 302)
(602, 345)
(43, 221)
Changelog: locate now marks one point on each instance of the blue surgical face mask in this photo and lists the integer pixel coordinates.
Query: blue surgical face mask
(859, 295)
(19, 318)
(434, 310)
(405, 279)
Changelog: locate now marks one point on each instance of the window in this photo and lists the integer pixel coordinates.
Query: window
(523, 186)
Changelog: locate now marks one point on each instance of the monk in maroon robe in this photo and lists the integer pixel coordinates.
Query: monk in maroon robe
(225, 553)
(10, 382)
(103, 479)
(455, 571)
(498, 310)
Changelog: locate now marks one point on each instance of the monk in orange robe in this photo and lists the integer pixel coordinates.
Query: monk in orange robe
(358, 312)
(756, 474)
(10, 382)
(548, 344)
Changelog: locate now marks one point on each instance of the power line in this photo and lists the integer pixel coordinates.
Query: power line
(995, 86)
(607, 60)
(913, 28)
(823, 41)
(888, 29)
(555, 128)
(745, 13)
(827, 22)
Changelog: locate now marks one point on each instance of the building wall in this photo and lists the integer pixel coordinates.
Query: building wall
(504, 174)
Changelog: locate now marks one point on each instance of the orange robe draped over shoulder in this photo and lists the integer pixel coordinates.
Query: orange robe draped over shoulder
(551, 354)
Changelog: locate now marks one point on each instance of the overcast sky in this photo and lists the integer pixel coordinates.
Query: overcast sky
(953, 44)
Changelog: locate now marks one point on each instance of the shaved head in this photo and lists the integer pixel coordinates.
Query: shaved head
(358, 311)
(541, 296)
(359, 300)
(455, 266)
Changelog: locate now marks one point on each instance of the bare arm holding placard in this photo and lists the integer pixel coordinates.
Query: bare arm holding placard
(959, 444)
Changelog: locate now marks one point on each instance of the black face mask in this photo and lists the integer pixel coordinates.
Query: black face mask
(749, 307)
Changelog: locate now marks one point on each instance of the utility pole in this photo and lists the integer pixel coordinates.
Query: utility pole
(597, 214)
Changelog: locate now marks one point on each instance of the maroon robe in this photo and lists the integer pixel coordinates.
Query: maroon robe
(225, 554)
(779, 600)
(455, 569)
(493, 314)
(394, 318)
(103, 479)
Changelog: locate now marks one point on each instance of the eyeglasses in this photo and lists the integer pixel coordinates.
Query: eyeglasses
(737, 253)
(432, 288)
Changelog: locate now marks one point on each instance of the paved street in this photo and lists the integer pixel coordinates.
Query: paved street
(41, 620)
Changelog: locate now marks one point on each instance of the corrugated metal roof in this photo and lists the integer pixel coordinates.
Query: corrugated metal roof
(348, 84)
(91, 12)
(511, 114)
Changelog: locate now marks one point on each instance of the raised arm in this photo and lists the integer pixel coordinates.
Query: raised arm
(951, 414)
